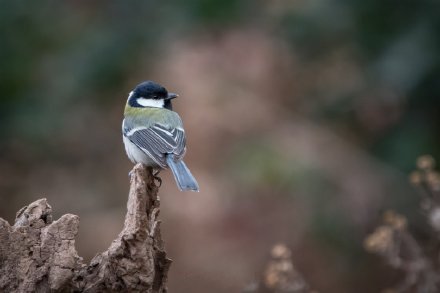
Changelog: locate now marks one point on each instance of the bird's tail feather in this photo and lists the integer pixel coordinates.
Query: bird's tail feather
(184, 179)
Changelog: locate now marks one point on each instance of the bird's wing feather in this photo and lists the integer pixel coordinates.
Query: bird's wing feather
(157, 141)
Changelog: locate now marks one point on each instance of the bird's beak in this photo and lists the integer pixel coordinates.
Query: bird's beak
(171, 96)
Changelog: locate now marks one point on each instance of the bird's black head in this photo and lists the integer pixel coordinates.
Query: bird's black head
(150, 94)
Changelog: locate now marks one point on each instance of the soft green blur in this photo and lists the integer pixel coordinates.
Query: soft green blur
(303, 120)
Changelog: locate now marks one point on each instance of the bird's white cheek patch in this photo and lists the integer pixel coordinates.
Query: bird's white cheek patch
(150, 103)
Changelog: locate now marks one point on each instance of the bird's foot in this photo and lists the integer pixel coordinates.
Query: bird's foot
(155, 176)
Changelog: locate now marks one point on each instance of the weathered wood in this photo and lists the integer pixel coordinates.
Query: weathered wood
(38, 254)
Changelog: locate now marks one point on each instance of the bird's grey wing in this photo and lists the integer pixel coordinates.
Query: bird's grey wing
(157, 141)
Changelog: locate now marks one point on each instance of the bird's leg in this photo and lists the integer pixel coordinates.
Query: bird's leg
(155, 176)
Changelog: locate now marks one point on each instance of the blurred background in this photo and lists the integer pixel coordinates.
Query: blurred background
(303, 120)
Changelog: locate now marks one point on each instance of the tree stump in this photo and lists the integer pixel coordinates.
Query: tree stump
(38, 254)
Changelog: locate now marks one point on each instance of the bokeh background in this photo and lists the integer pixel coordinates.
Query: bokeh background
(303, 118)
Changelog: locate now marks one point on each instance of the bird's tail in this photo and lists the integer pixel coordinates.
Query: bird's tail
(184, 179)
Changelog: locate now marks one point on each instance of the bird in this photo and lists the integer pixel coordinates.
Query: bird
(153, 133)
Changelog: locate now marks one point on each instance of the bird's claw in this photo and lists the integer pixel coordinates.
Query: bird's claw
(155, 176)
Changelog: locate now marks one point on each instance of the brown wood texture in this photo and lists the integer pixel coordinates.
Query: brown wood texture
(37, 254)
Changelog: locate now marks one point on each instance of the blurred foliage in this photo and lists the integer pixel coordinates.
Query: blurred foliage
(353, 84)
(397, 44)
(395, 243)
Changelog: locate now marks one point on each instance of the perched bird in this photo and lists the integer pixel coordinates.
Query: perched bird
(153, 133)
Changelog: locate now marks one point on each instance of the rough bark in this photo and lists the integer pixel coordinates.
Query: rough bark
(38, 254)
